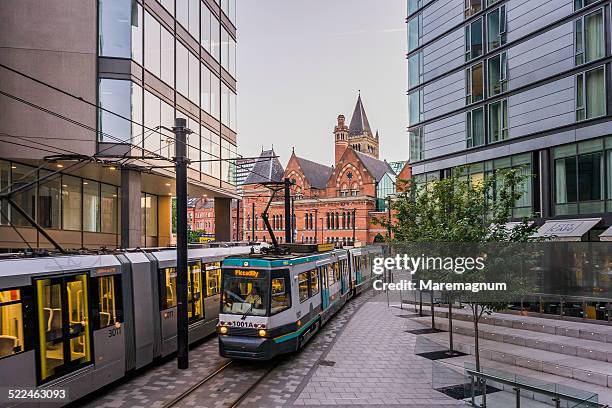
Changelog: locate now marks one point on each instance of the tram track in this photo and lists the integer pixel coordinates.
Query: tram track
(223, 368)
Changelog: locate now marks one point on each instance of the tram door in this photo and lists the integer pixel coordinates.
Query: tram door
(324, 286)
(63, 325)
(345, 277)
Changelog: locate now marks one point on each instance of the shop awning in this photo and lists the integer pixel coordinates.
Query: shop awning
(567, 230)
(606, 235)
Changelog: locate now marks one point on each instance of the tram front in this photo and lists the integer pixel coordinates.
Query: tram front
(253, 300)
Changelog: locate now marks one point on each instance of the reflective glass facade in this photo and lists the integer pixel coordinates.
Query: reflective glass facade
(189, 46)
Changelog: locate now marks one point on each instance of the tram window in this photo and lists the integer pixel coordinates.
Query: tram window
(336, 271)
(168, 283)
(107, 291)
(330, 275)
(11, 323)
(195, 310)
(303, 286)
(281, 295)
(213, 278)
(314, 282)
(245, 296)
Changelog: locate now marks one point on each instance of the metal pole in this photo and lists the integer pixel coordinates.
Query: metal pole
(253, 223)
(180, 132)
(293, 221)
(389, 216)
(288, 231)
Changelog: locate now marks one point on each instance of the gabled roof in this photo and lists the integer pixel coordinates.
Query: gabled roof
(266, 169)
(359, 121)
(316, 174)
(377, 168)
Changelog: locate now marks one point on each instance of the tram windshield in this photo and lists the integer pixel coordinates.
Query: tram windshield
(246, 295)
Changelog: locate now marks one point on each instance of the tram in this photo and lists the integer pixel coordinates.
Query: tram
(81, 322)
(273, 304)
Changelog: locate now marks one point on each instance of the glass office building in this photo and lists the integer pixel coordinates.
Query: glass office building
(509, 83)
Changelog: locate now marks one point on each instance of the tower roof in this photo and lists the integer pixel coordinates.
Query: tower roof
(359, 121)
(267, 169)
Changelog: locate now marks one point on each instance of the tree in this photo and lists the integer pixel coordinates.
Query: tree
(463, 209)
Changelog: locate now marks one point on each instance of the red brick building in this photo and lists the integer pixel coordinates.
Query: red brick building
(201, 216)
(335, 203)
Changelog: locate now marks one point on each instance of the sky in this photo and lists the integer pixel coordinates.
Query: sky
(300, 63)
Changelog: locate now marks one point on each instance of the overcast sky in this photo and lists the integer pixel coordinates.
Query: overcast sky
(300, 65)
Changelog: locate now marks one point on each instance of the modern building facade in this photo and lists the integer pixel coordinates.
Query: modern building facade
(107, 79)
(331, 204)
(496, 84)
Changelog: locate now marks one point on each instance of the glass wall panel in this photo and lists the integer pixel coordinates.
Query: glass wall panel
(49, 201)
(109, 208)
(595, 97)
(193, 143)
(225, 108)
(475, 128)
(414, 69)
(168, 5)
(205, 145)
(232, 57)
(224, 49)
(416, 145)
(225, 155)
(472, 7)
(497, 66)
(137, 115)
(498, 121)
(167, 137)
(194, 19)
(71, 203)
(496, 28)
(182, 69)
(115, 96)
(415, 107)
(150, 214)
(413, 6)
(473, 40)
(137, 32)
(20, 176)
(233, 111)
(205, 85)
(215, 102)
(5, 175)
(205, 27)
(152, 45)
(474, 77)
(167, 57)
(215, 147)
(215, 37)
(91, 206)
(182, 13)
(194, 79)
(152, 120)
(115, 28)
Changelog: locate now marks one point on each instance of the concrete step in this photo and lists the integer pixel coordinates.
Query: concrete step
(582, 329)
(571, 346)
(538, 378)
(578, 368)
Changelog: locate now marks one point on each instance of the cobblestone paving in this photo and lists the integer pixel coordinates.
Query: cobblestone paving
(363, 357)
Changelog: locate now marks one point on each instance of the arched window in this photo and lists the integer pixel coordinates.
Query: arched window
(343, 220)
(327, 216)
(248, 223)
(305, 222)
(337, 220)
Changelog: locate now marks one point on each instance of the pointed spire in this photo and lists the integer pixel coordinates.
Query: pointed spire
(359, 122)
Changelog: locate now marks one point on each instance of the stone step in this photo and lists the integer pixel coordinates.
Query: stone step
(568, 328)
(571, 346)
(537, 378)
(578, 368)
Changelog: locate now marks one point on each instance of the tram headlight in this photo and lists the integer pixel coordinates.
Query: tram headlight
(262, 333)
(223, 330)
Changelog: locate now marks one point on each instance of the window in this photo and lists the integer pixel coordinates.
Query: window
(472, 7)
(578, 4)
(182, 69)
(205, 84)
(167, 57)
(205, 27)
(115, 96)
(474, 86)
(415, 69)
(303, 286)
(152, 57)
(498, 121)
(91, 206)
(579, 178)
(213, 278)
(331, 277)
(497, 74)
(168, 290)
(589, 43)
(473, 40)
(496, 28)
(168, 5)
(195, 293)
(115, 28)
(590, 94)
(413, 6)
(11, 323)
(71, 203)
(415, 107)
(415, 25)
(416, 145)
(49, 198)
(475, 128)
(137, 20)
(314, 282)
(215, 46)
(109, 208)
(281, 292)
(194, 79)
(108, 310)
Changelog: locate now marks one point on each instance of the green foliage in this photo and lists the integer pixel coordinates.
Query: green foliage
(379, 238)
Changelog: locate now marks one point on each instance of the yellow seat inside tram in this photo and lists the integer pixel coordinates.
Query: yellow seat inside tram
(11, 322)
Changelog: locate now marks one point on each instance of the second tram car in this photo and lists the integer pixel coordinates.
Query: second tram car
(273, 304)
